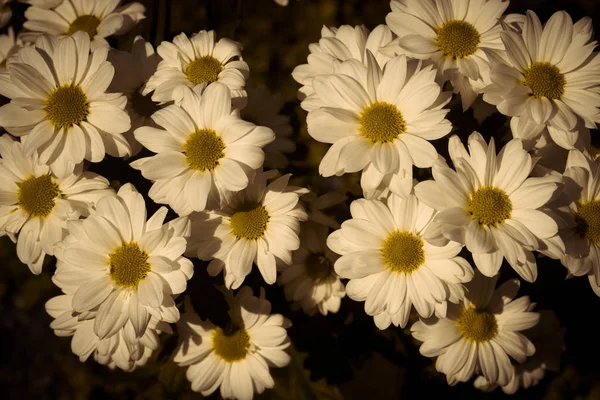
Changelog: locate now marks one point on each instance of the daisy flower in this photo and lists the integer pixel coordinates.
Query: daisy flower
(258, 225)
(132, 71)
(491, 204)
(379, 122)
(122, 266)
(336, 45)
(549, 79)
(392, 259)
(548, 338)
(582, 235)
(122, 350)
(98, 18)
(59, 106)
(457, 35)
(311, 280)
(204, 151)
(480, 333)
(196, 62)
(35, 204)
(264, 109)
(237, 358)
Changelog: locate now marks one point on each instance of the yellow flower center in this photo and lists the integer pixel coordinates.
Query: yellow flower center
(457, 39)
(587, 219)
(381, 122)
(66, 106)
(36, 195)
(403, 252)
(477, 325)
(489, 206)
(143, 105)
(318, 266)
(87, 23)
(203, 69)
(231, 346)
(545, 80)
(594, 151)
(129, 265)
(250, 221)
(203, 149)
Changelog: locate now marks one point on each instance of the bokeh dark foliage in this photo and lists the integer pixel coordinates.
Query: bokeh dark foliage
(339, 356)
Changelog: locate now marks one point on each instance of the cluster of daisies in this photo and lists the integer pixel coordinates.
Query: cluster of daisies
(187, 117)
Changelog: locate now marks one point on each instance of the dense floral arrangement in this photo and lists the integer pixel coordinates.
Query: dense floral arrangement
(439, 216)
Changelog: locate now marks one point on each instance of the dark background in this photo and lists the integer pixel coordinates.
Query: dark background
(340, 356)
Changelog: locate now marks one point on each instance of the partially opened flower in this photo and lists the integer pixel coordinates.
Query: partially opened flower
(336, 45)
(132, 71)
(36, 205)
(124, 267)
(196, 62)
(122, 350)
(311, 281)
(379, 121)
(98, 18)
(491, 204)
(549, 79)
(234, 359)
(458, 35)
(204, 153)
(257, 225)
(392, 258)
(480, 333)
(59, 105)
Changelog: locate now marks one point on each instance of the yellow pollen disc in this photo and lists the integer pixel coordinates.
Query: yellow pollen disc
(587, 219)
(87, 23)
(489, 206)
(544, 80)
(477, 325)
(318, 266)
(231, 346)
(457, 39)
(403, 252)
(143, 105)
(250, 221)
(36, 195)
(203, 69)
(203, 149)
(381, 122)
(594, 151)
(66, 106)
(129, 265)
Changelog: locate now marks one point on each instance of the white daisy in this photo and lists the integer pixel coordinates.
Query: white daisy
(491, 204)
(35, 205)
(582, 211)
(389, 255)
(311, 280)
(123, 349)
(258, 225)
(235, 359)
(548, 339)
(379, 122)
(480, 333)
(550, 79)
(132, 71)
(206, 151)
(59, 106)
(264, 109)
(336, 45)
(123, 266)
(458, 35)
(196, 62)
(98, 18)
